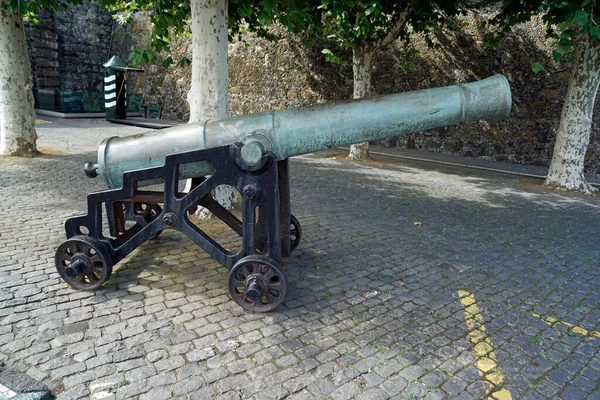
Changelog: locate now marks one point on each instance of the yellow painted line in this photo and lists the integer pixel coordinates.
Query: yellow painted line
(487, 364)
(574, 328)
(42, 121)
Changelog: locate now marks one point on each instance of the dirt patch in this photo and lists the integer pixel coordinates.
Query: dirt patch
(374, 159)
(538, 184)
(41, 153)
(51, 152)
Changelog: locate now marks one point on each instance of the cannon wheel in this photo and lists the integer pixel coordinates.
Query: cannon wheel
(257, 283)
(149, 211)
(83, 262)
(295, 233)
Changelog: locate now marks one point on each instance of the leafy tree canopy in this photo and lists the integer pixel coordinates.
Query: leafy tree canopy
(29, 9)
(353, 23)
(170, 18)
(566, 21)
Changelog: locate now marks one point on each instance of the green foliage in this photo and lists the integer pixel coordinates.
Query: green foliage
(332, 57)
(566, 21)
(372, 25)
(29, 9)
(537, 67)
(170, 19)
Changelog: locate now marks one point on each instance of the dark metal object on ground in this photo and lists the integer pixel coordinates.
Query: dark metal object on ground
(135, 215)
(251, 154)
(257, 283)
(83, 262)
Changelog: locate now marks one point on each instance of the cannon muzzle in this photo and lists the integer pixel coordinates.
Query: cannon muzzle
(297, 131)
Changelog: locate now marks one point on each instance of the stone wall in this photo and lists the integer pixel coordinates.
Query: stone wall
(266, 75)
(67, 49)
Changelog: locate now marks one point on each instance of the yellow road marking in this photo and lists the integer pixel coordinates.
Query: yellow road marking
(487, 364)
(574, 328)
(42, 121)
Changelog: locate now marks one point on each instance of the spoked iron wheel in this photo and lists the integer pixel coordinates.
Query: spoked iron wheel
(83, 262)
(257, 283)
(295, 233)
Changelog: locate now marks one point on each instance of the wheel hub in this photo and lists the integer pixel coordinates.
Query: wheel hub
(76, 267)
(255, 287)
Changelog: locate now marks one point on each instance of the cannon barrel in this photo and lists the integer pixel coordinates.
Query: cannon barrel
(297, 131)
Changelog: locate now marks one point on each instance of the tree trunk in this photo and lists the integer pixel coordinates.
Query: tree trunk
(208, 97)
(209, 94)
(362, 66)
(573, 137)
(17, 116)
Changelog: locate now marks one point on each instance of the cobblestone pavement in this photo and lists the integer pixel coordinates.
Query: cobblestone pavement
(412, 281)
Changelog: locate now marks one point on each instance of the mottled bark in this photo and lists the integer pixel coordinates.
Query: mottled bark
(17, 116)
(573, 137)
(209, 92)
(208, 96)
(362, 66)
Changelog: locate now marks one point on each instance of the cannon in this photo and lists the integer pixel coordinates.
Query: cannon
(251, 154)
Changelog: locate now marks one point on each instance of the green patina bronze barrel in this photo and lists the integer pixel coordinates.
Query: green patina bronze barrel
(305, 130)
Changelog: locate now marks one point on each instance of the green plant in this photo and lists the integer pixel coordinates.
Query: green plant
(382, 349)
(326, 296)
(535, 340)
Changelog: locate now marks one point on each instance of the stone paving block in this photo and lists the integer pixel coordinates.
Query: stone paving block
(373, 394)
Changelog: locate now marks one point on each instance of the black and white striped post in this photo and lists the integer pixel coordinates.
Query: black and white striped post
(115, 88)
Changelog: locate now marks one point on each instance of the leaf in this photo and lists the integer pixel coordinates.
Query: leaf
(332, 57)
(563, 48)
(595, 32)
(269, 4)
(537, 67)
(581, 17)
(167, 62)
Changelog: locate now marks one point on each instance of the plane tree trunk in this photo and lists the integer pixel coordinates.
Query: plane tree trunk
(362, 66)
(17, 115)
(208, 96)
(573, 137)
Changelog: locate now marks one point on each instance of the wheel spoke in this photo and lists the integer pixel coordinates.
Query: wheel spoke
(91, 276)
(256, 268)
(270, 299)
(65, 255)
(269, 274)
(98, 269)
(237, 282)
